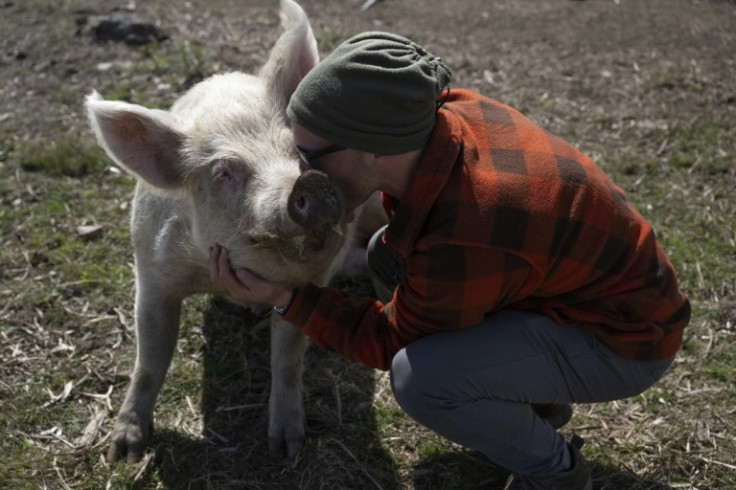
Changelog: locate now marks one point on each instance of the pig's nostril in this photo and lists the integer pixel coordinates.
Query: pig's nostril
(302, 203)
(314, 200)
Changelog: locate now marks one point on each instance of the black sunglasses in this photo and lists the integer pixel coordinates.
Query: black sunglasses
(309, 156)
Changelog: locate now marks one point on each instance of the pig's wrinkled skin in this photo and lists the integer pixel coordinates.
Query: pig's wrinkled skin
(219, 168)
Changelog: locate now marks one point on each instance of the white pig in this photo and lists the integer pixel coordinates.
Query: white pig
(220, 167)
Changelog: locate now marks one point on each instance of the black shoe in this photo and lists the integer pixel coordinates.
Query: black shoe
(556, 415)
(578, 477)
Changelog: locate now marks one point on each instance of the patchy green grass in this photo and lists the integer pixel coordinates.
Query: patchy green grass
(70, 157)
(69, 346)
(180, 68)
(68, 343)
(688, 196)
(66, 304)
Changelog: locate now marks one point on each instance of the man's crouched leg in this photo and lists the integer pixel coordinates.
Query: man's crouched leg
(577, 477)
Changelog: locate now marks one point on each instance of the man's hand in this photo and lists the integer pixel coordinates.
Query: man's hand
(242, 285)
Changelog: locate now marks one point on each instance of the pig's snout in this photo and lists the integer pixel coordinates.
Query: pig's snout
(314, 200)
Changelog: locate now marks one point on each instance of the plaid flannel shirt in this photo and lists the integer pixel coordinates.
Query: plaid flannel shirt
(500, 214)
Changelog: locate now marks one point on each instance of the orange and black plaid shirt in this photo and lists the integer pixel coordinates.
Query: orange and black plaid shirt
(501, 214)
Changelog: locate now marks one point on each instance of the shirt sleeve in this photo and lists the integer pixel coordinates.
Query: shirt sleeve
(448, 288)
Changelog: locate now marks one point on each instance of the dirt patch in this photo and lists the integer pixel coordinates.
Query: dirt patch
(591, 71)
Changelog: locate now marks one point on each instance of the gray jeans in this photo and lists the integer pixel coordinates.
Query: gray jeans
(476, 386)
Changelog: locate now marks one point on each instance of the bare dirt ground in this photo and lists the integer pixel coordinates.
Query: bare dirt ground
(632, 83)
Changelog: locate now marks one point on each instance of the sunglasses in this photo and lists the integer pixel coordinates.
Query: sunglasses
(308, 156)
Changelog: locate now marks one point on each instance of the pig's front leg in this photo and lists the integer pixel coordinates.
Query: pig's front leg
(286, 410)
(157, 329)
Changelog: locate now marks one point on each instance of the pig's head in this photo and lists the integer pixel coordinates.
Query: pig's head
(225, 153)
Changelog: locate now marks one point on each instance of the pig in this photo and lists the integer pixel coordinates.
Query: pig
(220, 167)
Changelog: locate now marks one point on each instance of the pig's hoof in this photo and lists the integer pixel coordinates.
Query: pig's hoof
(129, 439)
(285, 426)
(290, 448)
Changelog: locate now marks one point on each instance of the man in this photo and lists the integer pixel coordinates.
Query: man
(519, 278)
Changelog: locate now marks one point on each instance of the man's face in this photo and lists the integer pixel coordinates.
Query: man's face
(349, 169)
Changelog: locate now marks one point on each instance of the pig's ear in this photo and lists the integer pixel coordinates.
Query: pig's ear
(294, 54)
(144, 142)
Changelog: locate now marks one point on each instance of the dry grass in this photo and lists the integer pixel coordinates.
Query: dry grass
(646, 88)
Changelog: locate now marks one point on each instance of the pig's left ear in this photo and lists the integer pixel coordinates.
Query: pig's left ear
(294, 54)
(144, 142)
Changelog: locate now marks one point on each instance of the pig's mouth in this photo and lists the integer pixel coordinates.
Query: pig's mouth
(315, 229)
(317, 208)
(311, 245)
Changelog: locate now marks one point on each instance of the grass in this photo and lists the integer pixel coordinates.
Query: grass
(71, 157)
(180, 68)
(66, 338)
(688, 196)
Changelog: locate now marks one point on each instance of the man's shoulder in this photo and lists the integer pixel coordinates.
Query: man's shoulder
(478, 110)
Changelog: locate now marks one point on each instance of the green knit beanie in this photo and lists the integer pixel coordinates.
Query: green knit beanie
(376, 92)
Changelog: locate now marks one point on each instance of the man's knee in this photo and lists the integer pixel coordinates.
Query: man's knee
(404, 383)
(416, 390)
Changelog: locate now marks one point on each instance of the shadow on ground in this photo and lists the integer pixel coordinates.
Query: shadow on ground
(472, 470)
(342, 448)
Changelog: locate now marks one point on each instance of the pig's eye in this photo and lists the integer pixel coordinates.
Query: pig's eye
(228, 170)
(224, 173)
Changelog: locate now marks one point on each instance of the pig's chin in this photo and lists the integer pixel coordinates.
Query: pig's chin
(312, 248)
